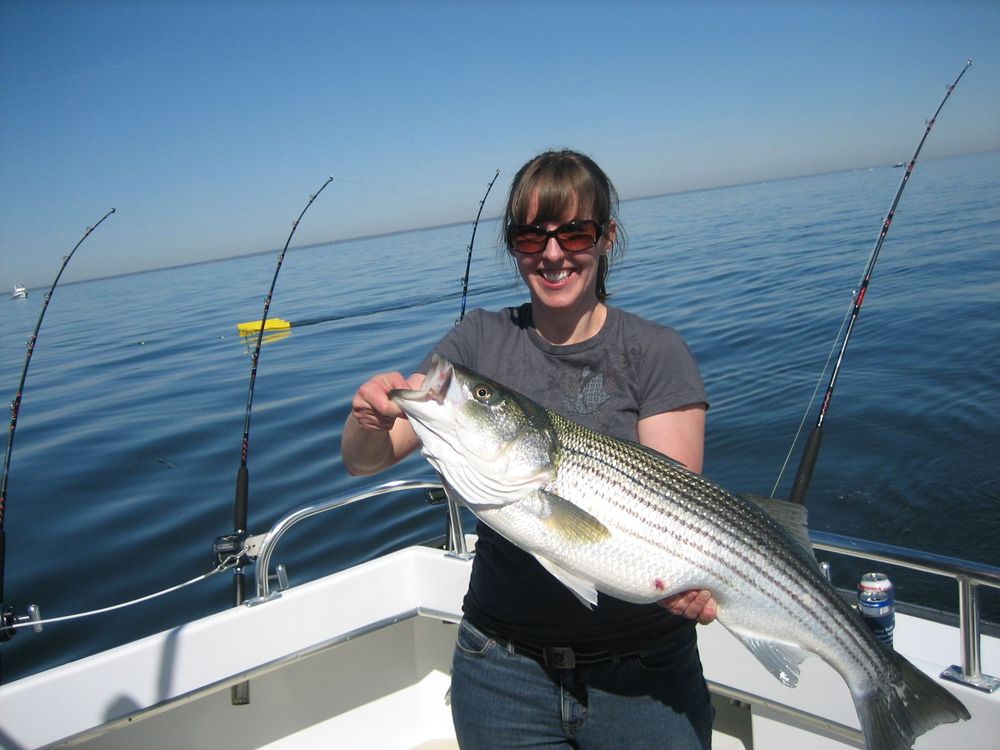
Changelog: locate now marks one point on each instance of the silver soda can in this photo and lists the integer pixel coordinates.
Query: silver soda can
(877, 605)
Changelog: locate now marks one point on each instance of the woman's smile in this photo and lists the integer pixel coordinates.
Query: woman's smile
(555, 277)
(562, 280)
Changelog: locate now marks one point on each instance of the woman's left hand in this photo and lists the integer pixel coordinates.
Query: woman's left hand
(694, 605)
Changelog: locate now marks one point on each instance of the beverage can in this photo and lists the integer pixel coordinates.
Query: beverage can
(877, 605)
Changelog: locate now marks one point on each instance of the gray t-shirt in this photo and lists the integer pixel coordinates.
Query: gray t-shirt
(630, 370)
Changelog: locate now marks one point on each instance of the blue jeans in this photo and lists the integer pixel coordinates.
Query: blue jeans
(504, 699)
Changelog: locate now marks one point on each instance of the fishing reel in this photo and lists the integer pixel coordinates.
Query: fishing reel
(241, 550)
(9, 621)
(231, 549)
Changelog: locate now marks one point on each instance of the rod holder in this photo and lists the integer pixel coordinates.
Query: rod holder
(456, 535)
(9, 621)
(970, 671)
(281, 576)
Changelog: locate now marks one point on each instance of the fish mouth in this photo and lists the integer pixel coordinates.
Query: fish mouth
(435, 385)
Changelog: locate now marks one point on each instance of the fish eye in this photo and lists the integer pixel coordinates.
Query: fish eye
(482, 392)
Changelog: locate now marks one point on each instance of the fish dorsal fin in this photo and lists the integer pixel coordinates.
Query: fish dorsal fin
(780, 659)
(792, 517)
(567, 519)
(583, 589)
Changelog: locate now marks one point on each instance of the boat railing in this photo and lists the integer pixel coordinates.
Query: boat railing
(262, 546)
(968, 575)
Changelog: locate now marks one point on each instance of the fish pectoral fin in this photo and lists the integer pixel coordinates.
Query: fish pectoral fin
(569, 520)
(575, 525)
(583, 589)
(780, 659)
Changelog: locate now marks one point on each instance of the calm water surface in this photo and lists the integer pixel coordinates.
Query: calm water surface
(129, 435)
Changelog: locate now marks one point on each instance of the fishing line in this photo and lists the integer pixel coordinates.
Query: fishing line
(251, 328)
(278, 326)
(226, 545)
(472, 241)
(399, 192)
(812, 398)
(7, 616)
(226, 564)
(803, 476)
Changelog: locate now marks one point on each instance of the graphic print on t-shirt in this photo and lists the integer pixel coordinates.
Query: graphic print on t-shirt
(586, 394)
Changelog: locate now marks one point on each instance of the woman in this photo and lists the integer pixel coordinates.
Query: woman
(532, 666)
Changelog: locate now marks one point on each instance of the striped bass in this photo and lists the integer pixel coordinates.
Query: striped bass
(611, 516)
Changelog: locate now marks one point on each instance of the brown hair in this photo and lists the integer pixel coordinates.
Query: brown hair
(561, 181)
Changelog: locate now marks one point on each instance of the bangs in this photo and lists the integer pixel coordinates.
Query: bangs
(556, 189)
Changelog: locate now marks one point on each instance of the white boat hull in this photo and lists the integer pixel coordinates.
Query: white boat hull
(320, 654)
(360, 659)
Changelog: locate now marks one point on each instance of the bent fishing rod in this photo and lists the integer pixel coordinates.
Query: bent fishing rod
(250, 328)
(227, 545)
(472, 241)
(7, 617)
(457, 542)
(811, 452)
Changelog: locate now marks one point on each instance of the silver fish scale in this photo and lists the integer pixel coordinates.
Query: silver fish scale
(693, 534)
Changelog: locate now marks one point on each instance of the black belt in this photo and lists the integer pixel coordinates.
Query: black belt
(566, 657)
(563, 657)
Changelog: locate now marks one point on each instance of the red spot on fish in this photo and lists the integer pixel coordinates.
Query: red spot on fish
(659, 585)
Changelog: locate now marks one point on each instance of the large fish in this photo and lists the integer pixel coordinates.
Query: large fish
(610, 516)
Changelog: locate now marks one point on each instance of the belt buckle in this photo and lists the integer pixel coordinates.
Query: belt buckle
(559, 657)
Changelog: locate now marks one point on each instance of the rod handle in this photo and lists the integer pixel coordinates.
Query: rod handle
(804, 474)
(240, 502)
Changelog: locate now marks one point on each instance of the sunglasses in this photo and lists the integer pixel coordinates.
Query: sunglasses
(573, 236)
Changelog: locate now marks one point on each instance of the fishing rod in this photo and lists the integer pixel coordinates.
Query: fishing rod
(457, 540)
(226, 545)
(251, 328)
(811, 452)
(472, 241)
(7, 617)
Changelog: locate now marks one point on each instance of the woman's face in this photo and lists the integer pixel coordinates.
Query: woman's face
(558, 279)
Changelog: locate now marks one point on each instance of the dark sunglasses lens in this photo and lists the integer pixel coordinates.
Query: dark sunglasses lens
(528, 239)
(573, 237)
(576, 237)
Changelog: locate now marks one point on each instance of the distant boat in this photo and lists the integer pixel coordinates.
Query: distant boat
(899, 164)
(20, 292)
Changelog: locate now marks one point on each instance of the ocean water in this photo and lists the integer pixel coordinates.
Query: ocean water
(129, 436)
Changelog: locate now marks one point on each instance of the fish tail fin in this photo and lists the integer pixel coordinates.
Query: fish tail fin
(900, 710)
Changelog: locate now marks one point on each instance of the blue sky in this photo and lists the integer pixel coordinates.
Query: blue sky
(207, 125)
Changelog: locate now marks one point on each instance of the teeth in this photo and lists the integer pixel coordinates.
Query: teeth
(554, 276)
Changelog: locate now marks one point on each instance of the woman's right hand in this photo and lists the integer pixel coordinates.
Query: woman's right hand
(374, 438)
(371, 406)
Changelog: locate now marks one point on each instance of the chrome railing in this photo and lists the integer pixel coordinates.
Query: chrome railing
(262, 547)
(968, 575)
